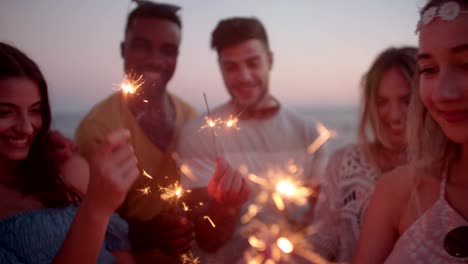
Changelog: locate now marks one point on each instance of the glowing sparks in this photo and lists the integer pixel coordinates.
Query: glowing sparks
(252, 211)
(280, 187)
(276, 243)
(285, 245)
(278, 201)
(171, 193)
(231, 122)
(131, 83)
(285, 188)
(219, 123)
(324, 135)
(145, 191)
(209, 220)
(185, 169)
(189, 258)
(147, 175)
(186, 208)
(257, 243)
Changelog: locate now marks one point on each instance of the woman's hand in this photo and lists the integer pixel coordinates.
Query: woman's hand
(113, 170)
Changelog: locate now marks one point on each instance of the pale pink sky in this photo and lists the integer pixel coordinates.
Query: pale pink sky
(321, 47)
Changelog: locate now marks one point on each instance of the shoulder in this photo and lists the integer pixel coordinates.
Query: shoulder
(187, 110)
(346, 155)
(100, 120)
(397, 185)
(399, 180)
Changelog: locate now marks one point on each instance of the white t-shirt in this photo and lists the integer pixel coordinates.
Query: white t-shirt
(270, 148)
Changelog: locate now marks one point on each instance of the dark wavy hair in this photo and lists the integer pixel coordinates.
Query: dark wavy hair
(39, 175)
(232, 31)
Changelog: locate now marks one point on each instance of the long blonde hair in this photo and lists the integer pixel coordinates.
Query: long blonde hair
(370, 125)
(428, 145)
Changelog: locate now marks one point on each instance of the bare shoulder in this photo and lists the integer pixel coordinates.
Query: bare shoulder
(394, 190)
(398, 181)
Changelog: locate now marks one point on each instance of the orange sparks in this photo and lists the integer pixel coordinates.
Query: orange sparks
(145, 191)
(189, 258)
(209, 220)
(130, 84)
(172, 192)
(324, 135)
(285, 245)
(147, 175)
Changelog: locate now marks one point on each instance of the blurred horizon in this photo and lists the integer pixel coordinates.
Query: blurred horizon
(321, 48)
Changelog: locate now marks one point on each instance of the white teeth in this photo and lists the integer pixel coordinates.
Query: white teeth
(18, 141)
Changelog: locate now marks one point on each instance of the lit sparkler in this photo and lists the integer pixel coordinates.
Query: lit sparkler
(145, 191)
(209, 220)
(277, 243)
(147, 175)
(324, 135)
(171, 193)
(131, 83)
(189, 258)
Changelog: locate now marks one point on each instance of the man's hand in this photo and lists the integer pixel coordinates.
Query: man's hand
(228, 186)
(171, 233)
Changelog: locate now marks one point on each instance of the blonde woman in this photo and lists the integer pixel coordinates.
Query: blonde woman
(352, 171)
(419, 212)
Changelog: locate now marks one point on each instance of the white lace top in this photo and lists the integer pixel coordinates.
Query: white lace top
(423, 241)
(348, 185)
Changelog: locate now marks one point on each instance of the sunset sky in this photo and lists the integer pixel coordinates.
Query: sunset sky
(321, 47)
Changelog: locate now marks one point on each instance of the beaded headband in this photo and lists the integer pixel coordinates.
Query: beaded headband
(447, 12)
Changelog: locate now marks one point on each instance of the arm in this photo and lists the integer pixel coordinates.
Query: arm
(328, 209)
(75, 173)
(379, 230)
(113, 171)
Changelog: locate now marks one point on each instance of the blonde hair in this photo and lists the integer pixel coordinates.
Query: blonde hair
(428, 146)
(370, 125)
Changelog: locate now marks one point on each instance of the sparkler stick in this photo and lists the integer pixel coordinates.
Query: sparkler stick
(211, 122)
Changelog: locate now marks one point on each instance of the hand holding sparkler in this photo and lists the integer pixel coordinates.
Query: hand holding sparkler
(228, 186)
(113, 170)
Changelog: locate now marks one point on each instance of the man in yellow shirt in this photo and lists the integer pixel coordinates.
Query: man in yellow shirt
(154, 117)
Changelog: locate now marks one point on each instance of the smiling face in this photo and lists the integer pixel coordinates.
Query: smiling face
(20, 117)
(392, 105)
(246, 68)
(443, 82)
(150, 49)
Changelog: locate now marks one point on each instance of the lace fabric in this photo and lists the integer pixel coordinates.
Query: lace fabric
(423, 241)
(348, 185)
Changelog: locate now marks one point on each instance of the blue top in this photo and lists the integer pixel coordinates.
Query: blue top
(36, 236)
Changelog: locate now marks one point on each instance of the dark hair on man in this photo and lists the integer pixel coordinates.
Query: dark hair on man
(154, 10)
(235, 30)
(39, 175)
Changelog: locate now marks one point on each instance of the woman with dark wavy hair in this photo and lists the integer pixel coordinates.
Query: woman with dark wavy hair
(43, 216)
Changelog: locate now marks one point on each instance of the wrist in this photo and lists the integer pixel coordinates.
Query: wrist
(93, 211)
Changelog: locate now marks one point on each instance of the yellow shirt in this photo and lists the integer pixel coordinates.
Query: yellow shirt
(111, 114)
